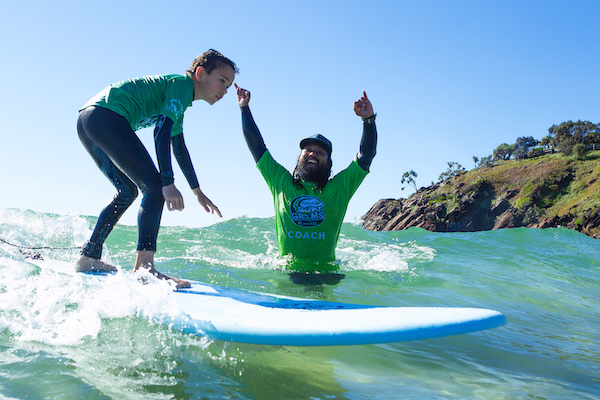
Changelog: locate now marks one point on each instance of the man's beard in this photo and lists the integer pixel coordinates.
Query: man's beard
(320, 175)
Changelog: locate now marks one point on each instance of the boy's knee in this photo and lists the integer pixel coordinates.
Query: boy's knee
(153, 190)
(127, 194)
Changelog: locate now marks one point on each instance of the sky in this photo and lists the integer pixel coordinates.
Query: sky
(449, 80)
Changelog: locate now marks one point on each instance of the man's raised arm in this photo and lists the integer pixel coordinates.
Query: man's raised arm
(252, 135)
(368, 143)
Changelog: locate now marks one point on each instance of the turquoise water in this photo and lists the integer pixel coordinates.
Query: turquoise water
(65, 337)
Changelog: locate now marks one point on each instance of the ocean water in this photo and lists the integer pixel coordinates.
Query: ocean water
(66, 337)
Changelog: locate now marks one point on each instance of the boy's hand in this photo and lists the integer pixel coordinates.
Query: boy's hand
(363, 107)
(243, 96)
(173, 197)
(206, 203)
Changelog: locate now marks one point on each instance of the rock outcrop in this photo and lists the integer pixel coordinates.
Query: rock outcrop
(476, 202)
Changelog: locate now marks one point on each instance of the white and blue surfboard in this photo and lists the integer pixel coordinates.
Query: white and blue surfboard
(252, 317)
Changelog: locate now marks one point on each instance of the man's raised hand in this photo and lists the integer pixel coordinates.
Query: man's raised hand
(243, 96)
(363, 107)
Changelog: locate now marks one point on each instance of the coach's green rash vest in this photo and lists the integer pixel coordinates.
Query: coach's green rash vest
(142, 100)
(308, 220)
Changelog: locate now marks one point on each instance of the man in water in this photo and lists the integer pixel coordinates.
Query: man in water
(309, 206)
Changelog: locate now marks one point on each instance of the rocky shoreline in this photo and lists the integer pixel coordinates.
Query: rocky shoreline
(475, 203)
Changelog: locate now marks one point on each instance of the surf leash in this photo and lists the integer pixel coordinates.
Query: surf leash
(36, 255)
(38, 248)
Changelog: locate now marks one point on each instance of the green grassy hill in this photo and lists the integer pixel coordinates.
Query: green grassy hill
(547, 191)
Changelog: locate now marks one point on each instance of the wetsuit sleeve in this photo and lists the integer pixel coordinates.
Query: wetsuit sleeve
(162, 142)
(182, 155)
(368, 144)
(252, 135)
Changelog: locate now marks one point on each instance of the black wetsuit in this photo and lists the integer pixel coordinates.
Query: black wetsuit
(124, 160)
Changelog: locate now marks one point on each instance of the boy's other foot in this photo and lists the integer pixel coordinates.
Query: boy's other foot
(88, 264)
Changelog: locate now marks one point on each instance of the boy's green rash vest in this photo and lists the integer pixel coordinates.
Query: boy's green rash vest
(308, 221)
(142, 100)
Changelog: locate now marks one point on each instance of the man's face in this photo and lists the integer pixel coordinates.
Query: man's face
(313, 161)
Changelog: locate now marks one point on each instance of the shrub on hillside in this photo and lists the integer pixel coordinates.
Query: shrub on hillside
(535, 152)
(566, 146)
(579, 151)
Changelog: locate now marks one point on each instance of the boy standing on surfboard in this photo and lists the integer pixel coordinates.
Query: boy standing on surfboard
(309, 206)
(106, 127)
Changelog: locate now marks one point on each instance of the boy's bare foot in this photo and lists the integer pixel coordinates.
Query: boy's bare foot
(180, 283)
(88, 264)
(145, 259)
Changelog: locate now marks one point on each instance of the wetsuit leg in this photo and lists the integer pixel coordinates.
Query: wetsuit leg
(124, 160)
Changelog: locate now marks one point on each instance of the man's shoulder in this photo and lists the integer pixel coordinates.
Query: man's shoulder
(348, 180)
(268, 165)
(274, 173)
(354, 169)
(265, 159)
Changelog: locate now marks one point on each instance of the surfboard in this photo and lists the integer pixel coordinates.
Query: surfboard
(245, 316)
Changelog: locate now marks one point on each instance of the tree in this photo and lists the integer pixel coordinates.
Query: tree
(574, 132)
(454, 170)
(408, 178)
(535, 152)
(525, 143)
(545, 142)
(504, 152)
(566, 145)
(483, 164)
(519, 154)
(486, 162)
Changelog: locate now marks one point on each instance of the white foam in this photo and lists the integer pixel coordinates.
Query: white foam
(62, 309)
(35, 229)
(384, 257)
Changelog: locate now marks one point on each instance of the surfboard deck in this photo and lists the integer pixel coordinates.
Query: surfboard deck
(253, 317)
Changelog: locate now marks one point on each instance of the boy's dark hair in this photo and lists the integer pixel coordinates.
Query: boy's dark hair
(211, 60)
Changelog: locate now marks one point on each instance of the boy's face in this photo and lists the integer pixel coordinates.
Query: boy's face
(212, 87)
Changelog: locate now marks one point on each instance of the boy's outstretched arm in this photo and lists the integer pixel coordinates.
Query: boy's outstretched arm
(368, 143)
(182, 155)
(206, 203)
(252, 135)
(162, 134)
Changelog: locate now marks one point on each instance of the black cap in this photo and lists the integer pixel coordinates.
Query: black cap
(320, 139)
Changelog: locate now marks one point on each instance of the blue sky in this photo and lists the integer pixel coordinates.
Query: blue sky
(449, 80)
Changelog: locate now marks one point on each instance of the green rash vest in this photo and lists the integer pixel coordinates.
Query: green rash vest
(142, 100)
(308, 220)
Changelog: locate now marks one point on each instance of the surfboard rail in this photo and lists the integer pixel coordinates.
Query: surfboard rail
(253, 317)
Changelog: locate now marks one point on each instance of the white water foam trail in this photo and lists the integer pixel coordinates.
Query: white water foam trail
(55, 308)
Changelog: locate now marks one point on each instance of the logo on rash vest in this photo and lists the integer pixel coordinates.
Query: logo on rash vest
(175, 107)
(307, 211)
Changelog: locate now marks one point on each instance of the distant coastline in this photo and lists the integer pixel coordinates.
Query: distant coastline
(543, 192)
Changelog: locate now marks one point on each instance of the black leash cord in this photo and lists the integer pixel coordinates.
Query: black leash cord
(38, 248)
